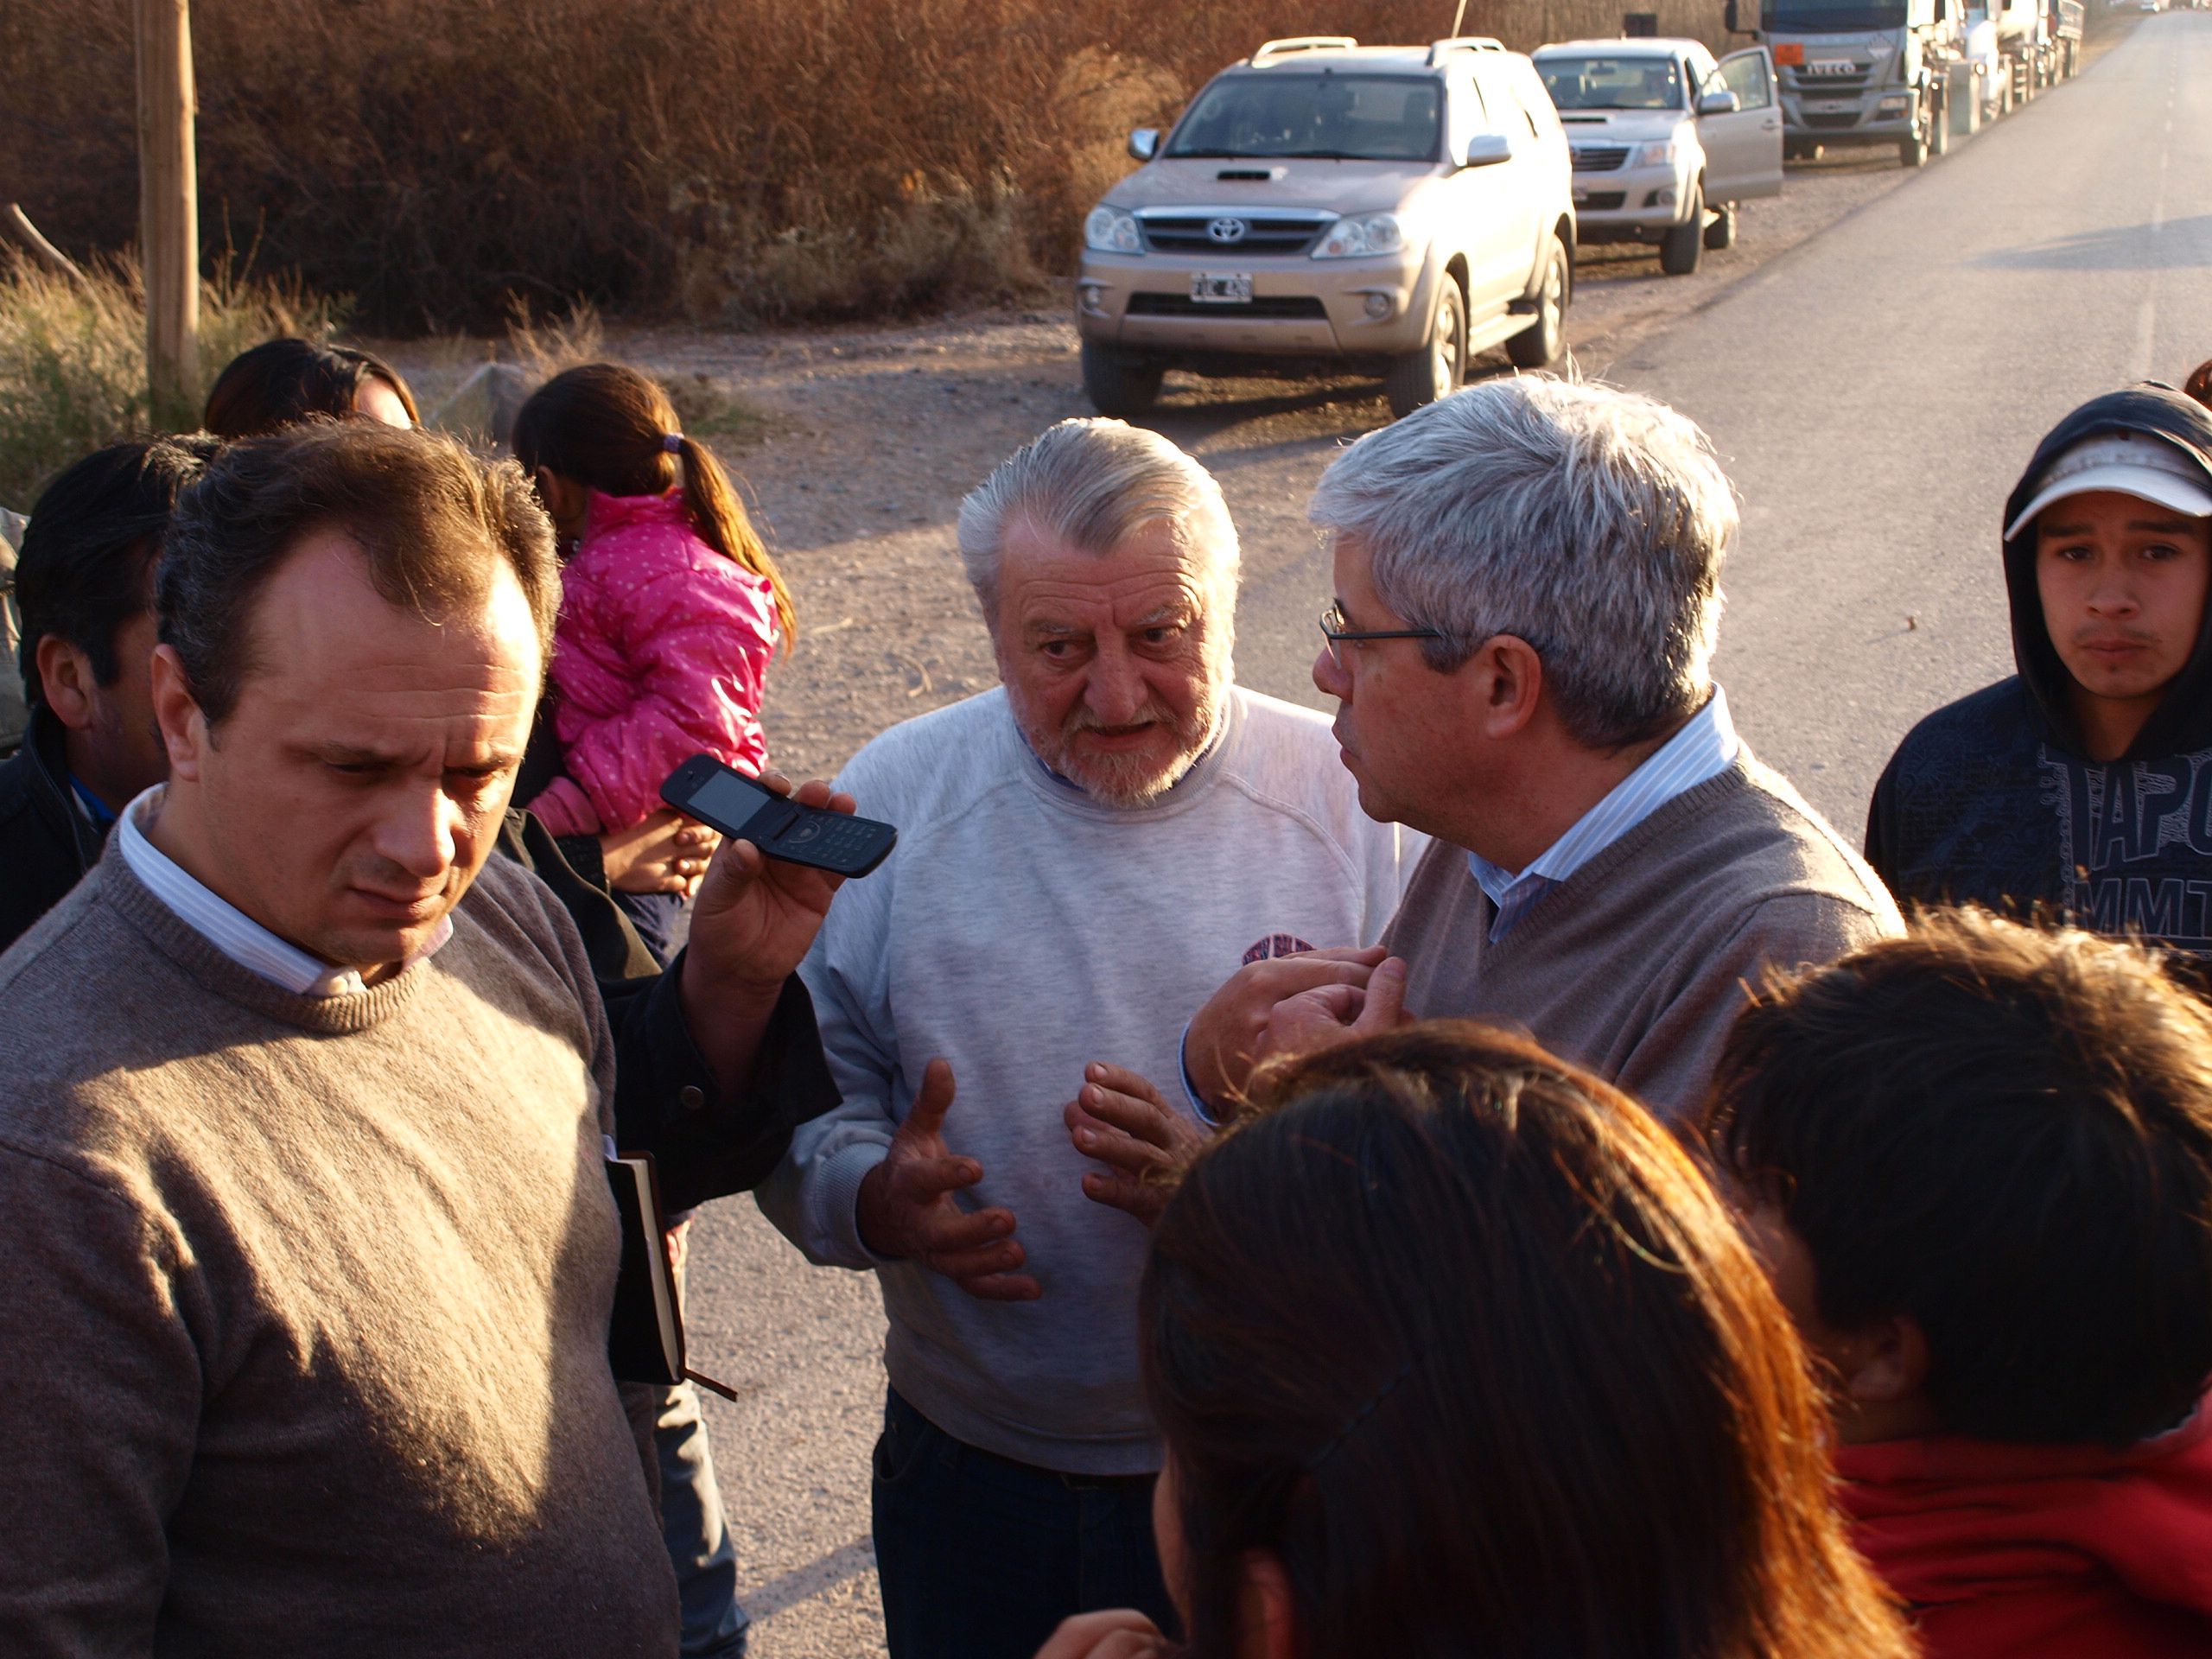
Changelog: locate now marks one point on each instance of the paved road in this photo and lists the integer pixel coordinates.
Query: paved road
(1877, 393)
(1874, 392)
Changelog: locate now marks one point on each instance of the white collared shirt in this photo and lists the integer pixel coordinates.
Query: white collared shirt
(1702, 750)
(229, 929)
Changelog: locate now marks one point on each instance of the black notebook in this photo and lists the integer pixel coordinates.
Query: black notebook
(645, 1338)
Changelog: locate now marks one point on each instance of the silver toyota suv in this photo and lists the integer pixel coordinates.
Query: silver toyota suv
(1325, 207)
(1662, 136)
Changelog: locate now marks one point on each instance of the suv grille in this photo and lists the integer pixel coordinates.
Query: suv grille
(1261, 305)
(1274, 232)
(1599, 158)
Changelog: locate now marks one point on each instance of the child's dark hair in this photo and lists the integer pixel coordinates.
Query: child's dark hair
(281, 383)
(2004, 1132)
(608, 427)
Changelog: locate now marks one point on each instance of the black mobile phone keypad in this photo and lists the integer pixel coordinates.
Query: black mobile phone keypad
(836, 838)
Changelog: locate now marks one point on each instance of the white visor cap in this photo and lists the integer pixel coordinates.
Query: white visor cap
(2135, 464)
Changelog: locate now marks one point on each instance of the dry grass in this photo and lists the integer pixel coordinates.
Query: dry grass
(72, 358)
(733, 160)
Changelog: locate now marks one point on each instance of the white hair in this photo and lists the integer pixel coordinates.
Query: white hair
(1589, 521)
(1093, 484)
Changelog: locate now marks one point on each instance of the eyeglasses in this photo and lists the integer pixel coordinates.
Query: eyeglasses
(1334, 631)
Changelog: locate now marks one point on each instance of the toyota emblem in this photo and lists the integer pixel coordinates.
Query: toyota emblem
(1226, 231)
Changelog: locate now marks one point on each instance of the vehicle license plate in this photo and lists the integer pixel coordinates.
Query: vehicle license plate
(1221, 287)
(1830, 66)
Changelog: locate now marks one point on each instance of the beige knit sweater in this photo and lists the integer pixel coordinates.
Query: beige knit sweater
(1637, 964)
(304, 1302)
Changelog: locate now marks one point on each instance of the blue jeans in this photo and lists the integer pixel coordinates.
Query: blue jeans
(654, 914)
(714, 1626)
(980, 1557)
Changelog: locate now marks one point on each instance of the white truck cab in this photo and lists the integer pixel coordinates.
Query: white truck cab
(1666, 140)
(1324, 207)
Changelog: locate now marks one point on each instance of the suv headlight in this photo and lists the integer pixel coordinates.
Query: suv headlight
(1659, 155)
(1352, 237)
(1112, 230)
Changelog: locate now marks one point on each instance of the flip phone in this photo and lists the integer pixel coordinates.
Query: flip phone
(726, 799)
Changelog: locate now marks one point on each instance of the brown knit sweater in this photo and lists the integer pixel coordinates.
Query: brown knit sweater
(1636, 964)
(305, 1300)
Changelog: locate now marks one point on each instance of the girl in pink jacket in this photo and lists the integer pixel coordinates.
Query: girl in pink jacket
(670, 608)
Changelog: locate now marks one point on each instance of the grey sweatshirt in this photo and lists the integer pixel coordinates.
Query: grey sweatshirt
(1636, 964)
(305, 1299)
(1021, 931)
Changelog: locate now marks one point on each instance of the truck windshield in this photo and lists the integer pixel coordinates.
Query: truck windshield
(1612, 83)
(1828, 17)
(1340, 118)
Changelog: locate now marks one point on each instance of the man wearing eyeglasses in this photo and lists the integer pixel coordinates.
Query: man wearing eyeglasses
(1528, 597)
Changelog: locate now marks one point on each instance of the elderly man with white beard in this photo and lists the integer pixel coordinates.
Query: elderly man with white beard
(1083, 853)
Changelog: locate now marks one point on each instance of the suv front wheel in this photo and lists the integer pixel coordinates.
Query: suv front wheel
(1117, 382)
(1434, 372)
(1680, 247)
(1538, 346)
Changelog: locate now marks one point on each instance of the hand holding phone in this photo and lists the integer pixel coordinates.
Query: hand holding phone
(727, 800)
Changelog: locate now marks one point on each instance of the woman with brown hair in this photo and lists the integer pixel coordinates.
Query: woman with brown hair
(1455, 1353)
(281, 383)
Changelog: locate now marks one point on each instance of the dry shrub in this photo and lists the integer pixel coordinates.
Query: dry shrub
(72, 357)
(726, 159)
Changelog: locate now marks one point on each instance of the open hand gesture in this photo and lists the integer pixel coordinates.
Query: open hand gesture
(1120, 1119)
(906, 1208)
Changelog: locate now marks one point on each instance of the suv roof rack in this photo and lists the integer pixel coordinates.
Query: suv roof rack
(1440, 50)
(1302, 43)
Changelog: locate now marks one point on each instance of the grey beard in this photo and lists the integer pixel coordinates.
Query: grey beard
(1125, 782)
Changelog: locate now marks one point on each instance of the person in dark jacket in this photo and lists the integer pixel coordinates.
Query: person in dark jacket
(2080, 788)
(82, 585)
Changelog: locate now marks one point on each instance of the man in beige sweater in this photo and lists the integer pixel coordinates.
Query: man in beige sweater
(1527, 596)
(310, 1249)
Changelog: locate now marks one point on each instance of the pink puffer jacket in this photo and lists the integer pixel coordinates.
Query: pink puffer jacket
(662, 651)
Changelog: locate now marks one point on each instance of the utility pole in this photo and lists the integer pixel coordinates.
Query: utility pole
(168, 210)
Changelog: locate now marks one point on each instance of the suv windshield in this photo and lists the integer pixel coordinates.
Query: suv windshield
(1828, 16)
(1340, 118)
(1612, 83)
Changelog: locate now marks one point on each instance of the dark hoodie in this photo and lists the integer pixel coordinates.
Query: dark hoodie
(1994, 800)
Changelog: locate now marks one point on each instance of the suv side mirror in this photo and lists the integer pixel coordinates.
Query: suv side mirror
(1719, 104)
(1489, 148)
(1730, 19)
(1144, 143)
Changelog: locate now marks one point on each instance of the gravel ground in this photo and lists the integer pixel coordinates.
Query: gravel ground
(870, 436)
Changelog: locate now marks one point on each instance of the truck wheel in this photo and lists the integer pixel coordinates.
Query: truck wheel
(1721, 233)
(1117, 384)
(1913, 151)
(1538, 346)
(1939, 130)
(1679, 248)
(1422, 377)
